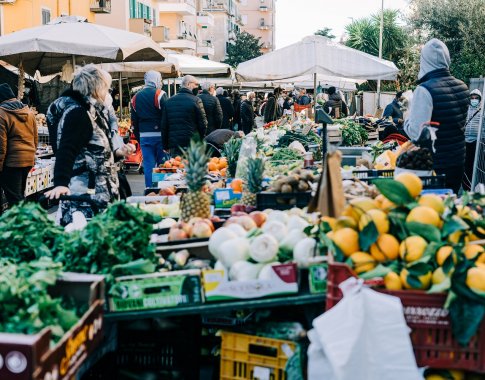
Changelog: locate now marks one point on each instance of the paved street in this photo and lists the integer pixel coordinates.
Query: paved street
(137, 182)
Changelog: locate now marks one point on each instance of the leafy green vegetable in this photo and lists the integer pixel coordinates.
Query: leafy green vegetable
(353, 133)
(26, 306)
(283, 155)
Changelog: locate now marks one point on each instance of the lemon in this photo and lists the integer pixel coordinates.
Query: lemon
(332, 222)
(344, 222)
(385, 248)
(438, 276)
(384, 203)
(443, 254)
(363, 262)
(472, 251)
(412, 182)
(480, 259)
(412, 248)
(433, 201)
(475, 279)
(392, 281)
(457, 236)
(424, 215)
(425, 280)
(359, 206)
(379, 218)
(347, 240)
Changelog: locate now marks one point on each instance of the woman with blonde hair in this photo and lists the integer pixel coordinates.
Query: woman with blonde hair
(83, 143)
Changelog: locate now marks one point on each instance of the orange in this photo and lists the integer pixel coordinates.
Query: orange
(178, 158)
(237, 185)
(167, 165)
(181, 165)
(223, 172)
(212, 166)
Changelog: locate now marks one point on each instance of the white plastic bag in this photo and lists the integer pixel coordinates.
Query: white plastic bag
(363, 337)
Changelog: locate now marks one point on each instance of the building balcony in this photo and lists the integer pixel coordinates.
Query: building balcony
(100, 6)
(205, 19)
(182, 42)
(205, 48)
(267, 46)
(160, 34)
(263, 8)
(180, 7)
(141, 26)
(217, 6)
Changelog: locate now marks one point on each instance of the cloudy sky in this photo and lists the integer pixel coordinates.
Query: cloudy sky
(293, 22)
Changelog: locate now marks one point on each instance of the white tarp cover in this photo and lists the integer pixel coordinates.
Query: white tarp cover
(192, 65)
(47, 48)
(306, 81)
(316, 54)
(138, 69)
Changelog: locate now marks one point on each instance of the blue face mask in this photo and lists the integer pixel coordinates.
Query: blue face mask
(475, 102)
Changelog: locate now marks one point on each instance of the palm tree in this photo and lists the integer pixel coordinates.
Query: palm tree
(325, 32)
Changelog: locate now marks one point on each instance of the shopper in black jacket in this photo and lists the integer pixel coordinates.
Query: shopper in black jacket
(272, 111)
(236, 103)
(212, 107)
(183, 116)
(247, 114)
(335, 101)
(227, 109)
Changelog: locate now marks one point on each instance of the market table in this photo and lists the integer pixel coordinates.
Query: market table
(220, 307)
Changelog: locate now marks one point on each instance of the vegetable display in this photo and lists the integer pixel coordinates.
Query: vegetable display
(353, 133)
(285, 154)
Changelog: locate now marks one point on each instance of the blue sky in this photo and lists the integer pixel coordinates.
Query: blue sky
(293, 22)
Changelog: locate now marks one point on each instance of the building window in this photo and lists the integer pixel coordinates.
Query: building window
(46, 16)
(133, 8)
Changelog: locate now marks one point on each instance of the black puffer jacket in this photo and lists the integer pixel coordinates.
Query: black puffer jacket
(335, 101)
(213, 111)
(227, 112)
(183, 115)
(247, 117)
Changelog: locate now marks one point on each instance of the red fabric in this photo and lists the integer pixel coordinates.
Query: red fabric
(400, 139)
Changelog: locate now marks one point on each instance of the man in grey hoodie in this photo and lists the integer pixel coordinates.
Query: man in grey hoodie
(441, 98)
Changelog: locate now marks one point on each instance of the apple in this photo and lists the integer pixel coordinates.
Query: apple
(186, 227)
(201, 230)
(237, 208)
(259, 217)
(194, 220)
(177, 234)
(209, 223)
(246, 222)
(240, 213)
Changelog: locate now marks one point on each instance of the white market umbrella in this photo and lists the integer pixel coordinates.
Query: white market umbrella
(47, 48)
(192, 65)
(307, 81)
(316, 55)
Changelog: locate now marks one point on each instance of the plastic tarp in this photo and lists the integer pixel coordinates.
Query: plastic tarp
(306, 81)
(192, 65)
(138, 69)
(316, 55)
(47, 48)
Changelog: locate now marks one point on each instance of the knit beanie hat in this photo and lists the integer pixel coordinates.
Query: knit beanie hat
(6, 92)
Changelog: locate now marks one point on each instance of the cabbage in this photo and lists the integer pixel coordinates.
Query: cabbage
(290, 241)
(237, 229)
(304, 251)
(276, 229)
(296, 223)
(234, 250)
(263, 248)
(244, 271)
(220, 236)
(298, 147)
(277, 216)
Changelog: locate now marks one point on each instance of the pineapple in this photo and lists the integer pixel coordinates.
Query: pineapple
(195, 203)
(231, 152)
(254, 180)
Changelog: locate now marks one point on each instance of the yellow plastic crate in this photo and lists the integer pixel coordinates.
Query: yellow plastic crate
(251, 357)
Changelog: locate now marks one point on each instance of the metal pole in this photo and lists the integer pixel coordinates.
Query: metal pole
(381, 31)
(315, 94)
(168, 88)
(120, 86)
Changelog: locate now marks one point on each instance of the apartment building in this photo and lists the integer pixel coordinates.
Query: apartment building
(227, 20)
(16, 15)
(258, 19)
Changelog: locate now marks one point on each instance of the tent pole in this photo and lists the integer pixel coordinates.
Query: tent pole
(315, 93)
(73, 62)
(120, 85)
(381, 31)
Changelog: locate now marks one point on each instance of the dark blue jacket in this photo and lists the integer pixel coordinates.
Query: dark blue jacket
(393, 110)
(146, 111)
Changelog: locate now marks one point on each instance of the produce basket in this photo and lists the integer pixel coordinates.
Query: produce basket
(429, 182)
(253, 357)
(282, 201)
(425, 314)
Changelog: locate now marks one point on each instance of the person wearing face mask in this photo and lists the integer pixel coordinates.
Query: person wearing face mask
(183, 117)
(146, 115)
(393, 110)
(83, 145)
(472, 126)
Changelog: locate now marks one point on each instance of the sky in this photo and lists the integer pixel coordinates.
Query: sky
(296, 19)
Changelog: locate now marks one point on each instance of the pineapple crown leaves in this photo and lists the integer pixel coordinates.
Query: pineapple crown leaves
(231, 152)
(255, 174)
(196, 171)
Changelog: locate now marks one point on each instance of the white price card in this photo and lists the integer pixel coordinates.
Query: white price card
(261, 373)
(223, 195)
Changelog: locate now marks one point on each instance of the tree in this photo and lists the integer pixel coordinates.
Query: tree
(325, 32)
(245, 47)
(458, 23)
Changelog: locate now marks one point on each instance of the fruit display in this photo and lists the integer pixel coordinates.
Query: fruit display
(195, 228)
(254, 181)
(218, 166)
(124, 126)
(415, 241)
(231, 151)
(414, 158)
(171, 165)
(353, 133)
(195, 203)
(299, 180)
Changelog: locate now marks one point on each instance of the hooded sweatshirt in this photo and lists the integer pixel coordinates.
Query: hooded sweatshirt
(473, 119)
(434, 55)
(18, 135)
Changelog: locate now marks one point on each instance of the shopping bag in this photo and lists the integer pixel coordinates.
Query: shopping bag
(363, 337)
(329, 199)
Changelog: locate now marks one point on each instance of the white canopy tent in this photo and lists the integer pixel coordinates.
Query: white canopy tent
(307, 81)
(192, 65)
(316, 55)
(47, 48)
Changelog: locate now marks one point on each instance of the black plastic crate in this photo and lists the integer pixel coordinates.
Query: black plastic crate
(282, 201)
(429, 182)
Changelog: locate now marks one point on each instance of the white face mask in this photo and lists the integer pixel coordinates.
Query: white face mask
(400, 104)
(475, 102)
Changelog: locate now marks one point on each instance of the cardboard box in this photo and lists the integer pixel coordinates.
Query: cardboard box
(218, 288)
(30, 357)
(155, 291)
(225, 198)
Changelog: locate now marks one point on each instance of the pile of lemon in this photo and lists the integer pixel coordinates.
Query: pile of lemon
(427, 209)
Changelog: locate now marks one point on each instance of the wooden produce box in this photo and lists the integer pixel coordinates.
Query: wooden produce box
(31, 357)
